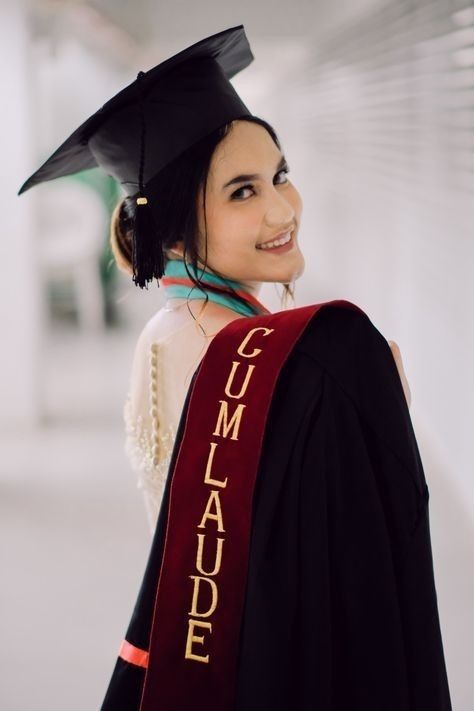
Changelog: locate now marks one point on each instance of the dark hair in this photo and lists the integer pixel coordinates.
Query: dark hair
(176, 188)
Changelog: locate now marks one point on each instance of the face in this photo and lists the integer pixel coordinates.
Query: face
(249, 201)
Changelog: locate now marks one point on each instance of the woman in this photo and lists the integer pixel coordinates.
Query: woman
(190, 320)
(291, 564)
(236, 244)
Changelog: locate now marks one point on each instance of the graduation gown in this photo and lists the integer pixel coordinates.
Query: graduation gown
(339, 607)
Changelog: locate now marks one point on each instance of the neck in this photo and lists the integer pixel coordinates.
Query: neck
(251, 287)
(239, 296)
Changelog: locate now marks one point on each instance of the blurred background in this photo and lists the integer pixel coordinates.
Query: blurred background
(374, 104)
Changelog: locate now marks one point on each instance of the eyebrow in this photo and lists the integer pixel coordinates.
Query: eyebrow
(253, 176)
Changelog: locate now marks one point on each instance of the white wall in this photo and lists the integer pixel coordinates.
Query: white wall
(380, 132)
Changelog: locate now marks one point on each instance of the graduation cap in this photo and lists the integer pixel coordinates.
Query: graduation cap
(150, 123)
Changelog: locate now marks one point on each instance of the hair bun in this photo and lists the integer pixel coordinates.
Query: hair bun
(121, 233)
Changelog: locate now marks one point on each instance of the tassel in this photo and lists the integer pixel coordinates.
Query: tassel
(148, 257)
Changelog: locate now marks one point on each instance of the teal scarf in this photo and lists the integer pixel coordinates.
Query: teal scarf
(176, 283)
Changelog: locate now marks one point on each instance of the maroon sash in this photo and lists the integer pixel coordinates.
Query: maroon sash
(192, 660)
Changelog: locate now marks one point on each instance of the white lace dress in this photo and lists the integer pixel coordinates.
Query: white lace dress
(160, 377)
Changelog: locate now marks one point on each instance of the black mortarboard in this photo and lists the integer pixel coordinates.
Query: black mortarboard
(152, 121)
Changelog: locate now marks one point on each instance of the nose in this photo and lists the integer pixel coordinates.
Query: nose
(280, 214)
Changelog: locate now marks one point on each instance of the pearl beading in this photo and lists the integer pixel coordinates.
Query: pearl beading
(147, 446)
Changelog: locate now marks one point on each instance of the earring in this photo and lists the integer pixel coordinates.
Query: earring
(288, 293)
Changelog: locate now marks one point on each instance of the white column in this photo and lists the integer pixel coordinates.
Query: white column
(20, 302)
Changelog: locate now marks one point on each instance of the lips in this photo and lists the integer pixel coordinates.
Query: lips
(276, 237)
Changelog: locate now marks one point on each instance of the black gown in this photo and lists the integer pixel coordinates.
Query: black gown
(340, 608)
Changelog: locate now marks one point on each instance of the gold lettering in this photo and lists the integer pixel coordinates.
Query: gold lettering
(192, 638)
(213, 498)
(256, 351)
(230, 379)
(217, 566)
(207, 476)
(193, 611)
(235, 420)
(225, 427)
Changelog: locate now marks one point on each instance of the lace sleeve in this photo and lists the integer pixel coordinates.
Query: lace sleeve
(147, 446)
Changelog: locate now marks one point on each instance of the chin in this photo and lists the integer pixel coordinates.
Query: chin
(290, 272)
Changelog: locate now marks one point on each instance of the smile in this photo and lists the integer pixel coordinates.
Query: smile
(278, 244)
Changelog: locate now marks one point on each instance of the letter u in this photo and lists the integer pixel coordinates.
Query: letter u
(230, 379)
(200, 555)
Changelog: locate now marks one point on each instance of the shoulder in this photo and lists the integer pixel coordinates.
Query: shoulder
(344, 342)
(154, 329)
(337, 324)
(159, 329)
(146, 353)
(341, 336)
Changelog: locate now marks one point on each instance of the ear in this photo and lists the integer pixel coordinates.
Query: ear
(176, 249)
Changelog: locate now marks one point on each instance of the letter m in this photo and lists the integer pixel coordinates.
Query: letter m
(223, 420)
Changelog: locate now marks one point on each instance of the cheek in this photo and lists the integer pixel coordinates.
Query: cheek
(295, 200)
(232, 223)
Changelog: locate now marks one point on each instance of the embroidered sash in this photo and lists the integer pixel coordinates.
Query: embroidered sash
(194, 642)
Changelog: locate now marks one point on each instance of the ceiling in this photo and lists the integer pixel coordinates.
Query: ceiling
(172, 23)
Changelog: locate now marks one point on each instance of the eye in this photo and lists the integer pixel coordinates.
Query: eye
(249, 186)
(237, 194)
(284, 170)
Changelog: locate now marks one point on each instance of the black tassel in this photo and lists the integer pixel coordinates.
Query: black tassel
(147, 253)
(148, 257)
